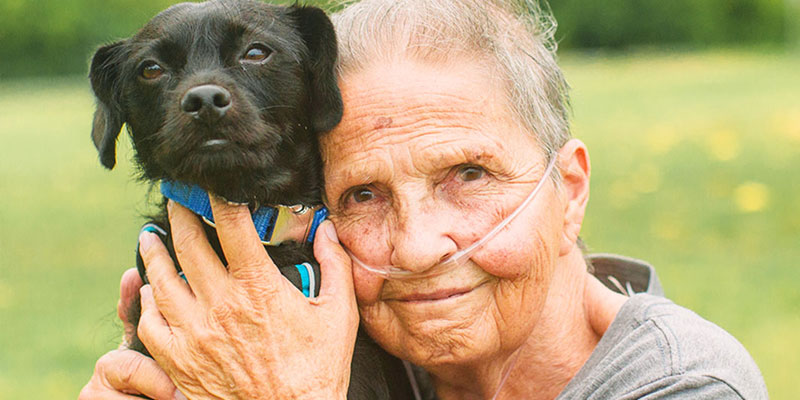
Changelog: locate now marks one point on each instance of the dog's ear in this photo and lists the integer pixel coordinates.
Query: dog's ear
(104, 74)
(320, 38)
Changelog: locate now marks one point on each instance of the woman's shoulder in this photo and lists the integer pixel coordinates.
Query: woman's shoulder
(657, 348)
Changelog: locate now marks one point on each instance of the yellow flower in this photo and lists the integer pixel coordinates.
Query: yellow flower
(646, 178)
(723, 145)
(662, 138)
(667, 228)
(788, 123)
(751, 197)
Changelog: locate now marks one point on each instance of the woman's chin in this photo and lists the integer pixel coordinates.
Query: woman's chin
(450, 329)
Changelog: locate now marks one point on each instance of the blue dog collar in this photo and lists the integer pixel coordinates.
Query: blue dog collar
(274, 224)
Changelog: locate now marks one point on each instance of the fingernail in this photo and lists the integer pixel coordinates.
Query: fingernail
(213, 198)
(331, 232)
(146, 296)
(145, 291)
(147, 240)
(179, 395)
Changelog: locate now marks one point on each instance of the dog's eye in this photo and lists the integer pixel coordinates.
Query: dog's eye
(151, 70)
(256, 53)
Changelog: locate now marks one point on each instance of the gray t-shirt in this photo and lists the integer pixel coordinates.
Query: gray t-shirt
(655, 349)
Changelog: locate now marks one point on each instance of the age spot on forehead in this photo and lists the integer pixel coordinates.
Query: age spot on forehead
(383, 122)
(482, 155)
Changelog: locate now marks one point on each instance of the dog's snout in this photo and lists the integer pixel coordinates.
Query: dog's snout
(208, 102)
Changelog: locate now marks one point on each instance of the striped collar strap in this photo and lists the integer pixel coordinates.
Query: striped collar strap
(274, 224)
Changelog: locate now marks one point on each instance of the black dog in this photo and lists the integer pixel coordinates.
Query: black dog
(229, 96)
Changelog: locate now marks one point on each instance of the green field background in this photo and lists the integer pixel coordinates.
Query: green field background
(696, 163)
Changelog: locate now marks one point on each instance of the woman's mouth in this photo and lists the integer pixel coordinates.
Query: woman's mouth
(436, 295)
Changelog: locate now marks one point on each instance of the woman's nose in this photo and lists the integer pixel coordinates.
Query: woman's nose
(421, 239)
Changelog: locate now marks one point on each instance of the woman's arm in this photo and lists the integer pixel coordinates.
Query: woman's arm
(244, 331)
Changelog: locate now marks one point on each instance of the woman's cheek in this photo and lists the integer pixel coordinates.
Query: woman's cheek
(515, 255)
(367, 286)
(529, 244)
(506, 261)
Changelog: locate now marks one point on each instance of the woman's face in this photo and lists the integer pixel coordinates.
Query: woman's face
(426, 161)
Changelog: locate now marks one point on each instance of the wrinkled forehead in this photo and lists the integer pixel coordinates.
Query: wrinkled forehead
(425, 110)
(187, 26)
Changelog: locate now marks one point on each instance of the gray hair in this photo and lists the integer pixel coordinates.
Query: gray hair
(513, 36)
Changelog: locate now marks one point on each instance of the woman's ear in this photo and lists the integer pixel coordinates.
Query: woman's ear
(575, 172)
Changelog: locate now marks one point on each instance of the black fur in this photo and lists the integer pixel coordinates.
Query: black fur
(265, 147)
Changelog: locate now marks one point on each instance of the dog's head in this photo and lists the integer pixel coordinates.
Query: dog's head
(229, 95)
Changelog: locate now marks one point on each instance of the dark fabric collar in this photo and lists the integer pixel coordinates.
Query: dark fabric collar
(625, 275)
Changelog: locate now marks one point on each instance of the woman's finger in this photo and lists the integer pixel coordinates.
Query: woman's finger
(129, 286)
(128, 293)
(200, 263)
(97, 391)
(154, 331)
(171, 292)
(240, 242)
(335, 265)
(121, 374)
(136, 372)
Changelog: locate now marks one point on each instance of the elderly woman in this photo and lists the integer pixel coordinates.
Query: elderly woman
(457, 198)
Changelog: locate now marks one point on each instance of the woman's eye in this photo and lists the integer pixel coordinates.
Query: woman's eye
(362, 195)
(151, 70)
(469, 173)
(256, 53)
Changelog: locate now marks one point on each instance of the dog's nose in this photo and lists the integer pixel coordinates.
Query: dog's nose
(209, 102)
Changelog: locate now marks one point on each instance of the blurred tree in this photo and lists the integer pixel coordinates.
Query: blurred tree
(45, 37)
(625, 23)
(52, 37)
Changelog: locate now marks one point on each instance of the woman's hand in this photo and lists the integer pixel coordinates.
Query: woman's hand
(245, 331)
(122, 373)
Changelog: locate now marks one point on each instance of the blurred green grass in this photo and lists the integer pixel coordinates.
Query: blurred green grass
(695, 155)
